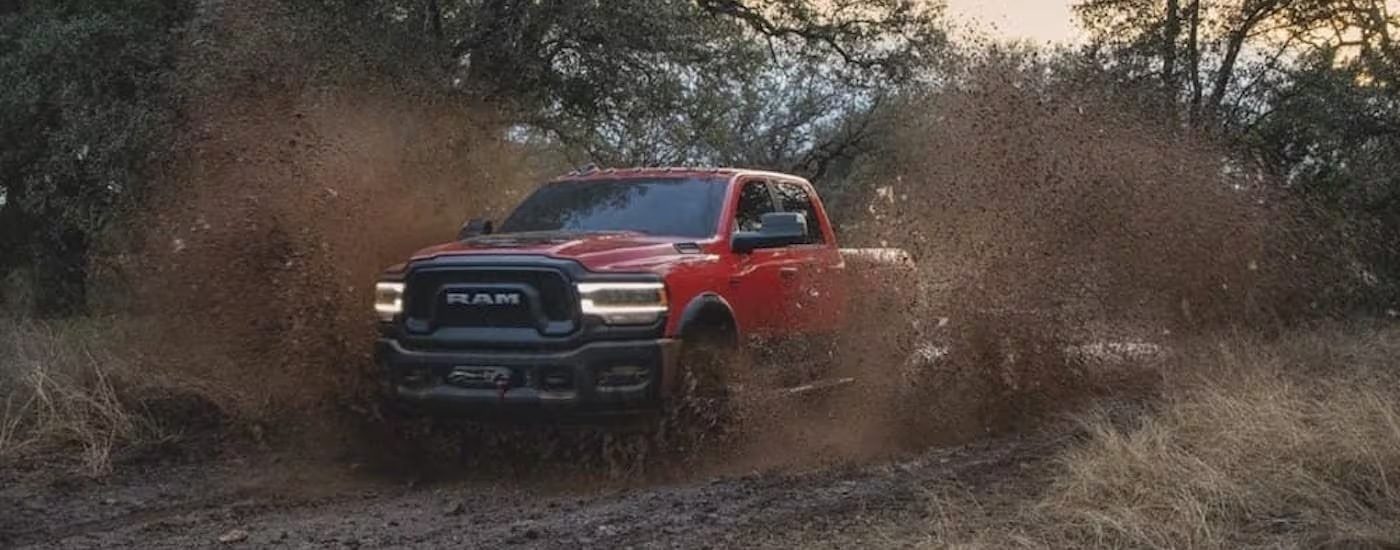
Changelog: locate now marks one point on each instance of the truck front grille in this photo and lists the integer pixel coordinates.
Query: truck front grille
(489, 297)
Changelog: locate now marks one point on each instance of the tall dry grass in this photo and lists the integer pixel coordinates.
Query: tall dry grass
(70, 401)
(1293, 443)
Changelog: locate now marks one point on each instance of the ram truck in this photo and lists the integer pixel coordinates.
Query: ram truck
(620, 291)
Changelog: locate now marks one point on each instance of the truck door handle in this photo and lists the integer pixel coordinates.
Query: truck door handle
(787, 272)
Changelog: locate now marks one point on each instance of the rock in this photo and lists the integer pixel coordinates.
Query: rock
(456, 508)
(236, 535)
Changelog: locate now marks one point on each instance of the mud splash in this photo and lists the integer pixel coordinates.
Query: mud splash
(1040, 217)
(300, 180)
(1043, 215)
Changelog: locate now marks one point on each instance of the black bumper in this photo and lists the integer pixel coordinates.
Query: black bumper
(527, 384)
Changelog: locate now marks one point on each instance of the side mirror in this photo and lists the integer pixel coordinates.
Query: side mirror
(779, 229)
(475, 227)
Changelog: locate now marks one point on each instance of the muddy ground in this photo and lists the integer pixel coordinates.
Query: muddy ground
(241, 503)
(270, 499)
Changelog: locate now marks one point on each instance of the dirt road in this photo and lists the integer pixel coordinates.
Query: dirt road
(236, 505)
(268, 500)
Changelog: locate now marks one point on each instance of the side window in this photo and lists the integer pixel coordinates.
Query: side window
(755, 200)
(795, 198)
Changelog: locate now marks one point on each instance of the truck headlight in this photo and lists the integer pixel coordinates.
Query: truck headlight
(623, 303)
(388, 300)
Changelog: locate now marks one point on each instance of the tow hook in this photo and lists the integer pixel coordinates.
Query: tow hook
(502, 385)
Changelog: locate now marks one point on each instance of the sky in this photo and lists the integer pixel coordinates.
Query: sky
(1036, 20)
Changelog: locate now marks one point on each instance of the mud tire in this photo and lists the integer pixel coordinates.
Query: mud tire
(700, 412)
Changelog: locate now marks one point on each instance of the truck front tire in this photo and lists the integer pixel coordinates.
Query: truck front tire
(699, 407)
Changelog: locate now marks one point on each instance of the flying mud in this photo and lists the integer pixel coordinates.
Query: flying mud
(1030, 233)
(1054, 271)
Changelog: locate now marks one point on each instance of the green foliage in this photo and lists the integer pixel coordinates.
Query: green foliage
(788, 84)
(680, 81)
(1333, 137)
(85, 112)
(89, 105)
(1306, 90)
(787, 115)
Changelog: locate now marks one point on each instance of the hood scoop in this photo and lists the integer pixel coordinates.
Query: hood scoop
(518, 240)
(688, 248)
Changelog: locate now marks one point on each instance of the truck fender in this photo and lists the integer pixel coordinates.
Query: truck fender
(707, 312)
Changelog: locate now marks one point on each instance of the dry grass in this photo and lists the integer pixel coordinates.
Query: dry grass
(77, 398)
(62, 397)
(1289, 444)
(1293, 444)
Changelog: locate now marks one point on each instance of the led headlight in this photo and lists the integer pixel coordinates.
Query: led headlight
(623, 303)
(388, 300)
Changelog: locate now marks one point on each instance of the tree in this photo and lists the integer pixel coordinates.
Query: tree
(1145, 41)
(680, 81)
(1304, 89)
(1333, 137)
(765, 82)
(82, 118)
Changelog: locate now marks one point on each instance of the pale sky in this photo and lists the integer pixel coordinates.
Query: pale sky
(1036, 20)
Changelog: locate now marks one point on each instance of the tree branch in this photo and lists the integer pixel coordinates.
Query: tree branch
(1171, 32)
(1193, 54)
(1233, 45)
(829, 35)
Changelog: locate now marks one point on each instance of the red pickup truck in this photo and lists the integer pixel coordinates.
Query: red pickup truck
(631, 291)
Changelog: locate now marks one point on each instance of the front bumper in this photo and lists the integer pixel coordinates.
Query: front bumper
(580, 382)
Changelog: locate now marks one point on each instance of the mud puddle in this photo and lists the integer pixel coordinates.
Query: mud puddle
(230, 506)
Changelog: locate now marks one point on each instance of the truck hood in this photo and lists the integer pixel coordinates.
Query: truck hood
(597, 251)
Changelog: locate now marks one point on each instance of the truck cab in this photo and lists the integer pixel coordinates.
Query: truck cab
(604, 290)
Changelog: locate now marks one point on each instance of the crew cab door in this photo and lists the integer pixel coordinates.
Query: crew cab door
(818, 291)
(762, 282)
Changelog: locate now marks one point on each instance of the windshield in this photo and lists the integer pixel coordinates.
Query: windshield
(662, 206)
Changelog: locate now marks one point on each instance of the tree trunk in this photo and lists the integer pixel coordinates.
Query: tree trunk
(1170, 36)
(59, 274)
(434, 16)
(1234, 44)
(507, 47)
(1225, 74)
(1193, 60)
(11, 245)
(492, 45)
